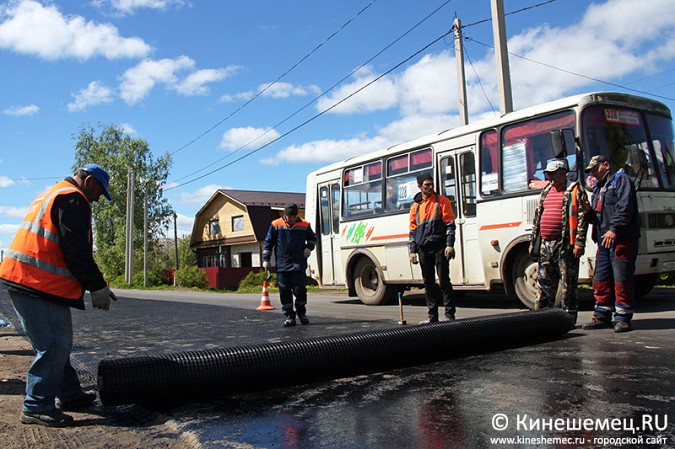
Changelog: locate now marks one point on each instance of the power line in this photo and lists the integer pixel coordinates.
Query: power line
(510, 13)
(334, 105)
(322, 94)
(314, 117)
(480, 83)
(597, 80)
(276, 80)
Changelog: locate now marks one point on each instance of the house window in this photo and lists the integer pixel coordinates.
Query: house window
(238, 223)
(214, 227)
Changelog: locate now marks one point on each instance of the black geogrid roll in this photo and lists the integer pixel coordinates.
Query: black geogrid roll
(218, 372)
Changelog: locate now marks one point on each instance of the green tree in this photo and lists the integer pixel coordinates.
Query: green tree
(119, 154)
(186, 256)
(163, 257)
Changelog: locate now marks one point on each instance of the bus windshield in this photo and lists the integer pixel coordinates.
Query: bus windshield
(623, 135)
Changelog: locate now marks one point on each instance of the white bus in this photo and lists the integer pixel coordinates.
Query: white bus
(493, 173)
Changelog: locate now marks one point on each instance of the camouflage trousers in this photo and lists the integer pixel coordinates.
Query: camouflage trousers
(554, 270)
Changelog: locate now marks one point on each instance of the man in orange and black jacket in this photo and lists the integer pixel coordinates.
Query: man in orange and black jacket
(46, 271)
(292, 240)
(431, 243)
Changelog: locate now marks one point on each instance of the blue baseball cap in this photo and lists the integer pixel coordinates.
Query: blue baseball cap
(100, 175)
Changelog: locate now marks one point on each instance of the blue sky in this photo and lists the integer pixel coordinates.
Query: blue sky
(179, 74)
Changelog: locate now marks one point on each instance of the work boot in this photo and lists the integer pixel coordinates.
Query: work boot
(597, 323)
(290, 322)
(78, 403)
(429, 320)
(303, 319)
(622, 326)
(55, 418)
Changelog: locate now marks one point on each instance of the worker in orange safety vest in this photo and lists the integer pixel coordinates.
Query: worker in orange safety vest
(46, 271)
(431, 243)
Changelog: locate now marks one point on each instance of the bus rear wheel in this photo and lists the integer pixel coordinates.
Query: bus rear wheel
(369, 284)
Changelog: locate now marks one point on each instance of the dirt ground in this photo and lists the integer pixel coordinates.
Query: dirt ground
(98, 428)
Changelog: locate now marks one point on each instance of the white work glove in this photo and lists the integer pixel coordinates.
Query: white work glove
(449, 252)
(413, 258)
(101, 298)
(266, 265)
(307, 252)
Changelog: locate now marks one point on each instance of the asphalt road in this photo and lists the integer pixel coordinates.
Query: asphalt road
(585, 389)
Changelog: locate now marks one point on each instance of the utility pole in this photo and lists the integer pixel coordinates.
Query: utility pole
(501, 57)
(175, 237)
(145, 237)
(129, 264)
(461, 79)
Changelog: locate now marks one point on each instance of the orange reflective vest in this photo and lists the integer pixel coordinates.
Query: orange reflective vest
(35, 259)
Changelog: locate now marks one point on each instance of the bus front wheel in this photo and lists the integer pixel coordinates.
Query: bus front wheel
(369, 285)
(644, 283)
(525, 280)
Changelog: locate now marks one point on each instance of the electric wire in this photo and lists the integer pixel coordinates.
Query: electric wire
(314, 117)
(276, 80)
(597, 80)
(480, 83)
(322, 94)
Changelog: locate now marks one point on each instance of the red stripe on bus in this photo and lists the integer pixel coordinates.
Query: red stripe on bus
(385, 237)
(500, 225)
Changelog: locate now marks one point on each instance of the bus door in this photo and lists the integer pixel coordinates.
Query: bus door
(329, 233)
(458, 182)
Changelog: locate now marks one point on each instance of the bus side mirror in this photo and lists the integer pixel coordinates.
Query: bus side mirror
(559, 139)
(558, 145)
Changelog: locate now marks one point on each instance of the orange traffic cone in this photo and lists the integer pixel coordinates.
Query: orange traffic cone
(265, 299)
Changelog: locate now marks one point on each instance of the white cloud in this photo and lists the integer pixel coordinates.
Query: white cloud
(419, 85)
(242, 96)
(128, 129)
(21, 111)
(6, 182)
(94, 94)
(286, 90)
(130, 6)
(196, 82)
(235, 138)
(273, 90)
(9, 228)
(138, 81)
(199, 197)
(184, 224)
(378, 96)
(17, 212)
(326, 150)
(54, 35)
(425, 93)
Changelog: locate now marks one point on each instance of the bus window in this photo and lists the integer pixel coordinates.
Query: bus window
(621, 135)
(448, 182)
(526, 149)
(662, 140)
(468, 163)
(362, 191)
(489, 163)
(335, 196)
(401, 183)
(419, 160)
(325, 211)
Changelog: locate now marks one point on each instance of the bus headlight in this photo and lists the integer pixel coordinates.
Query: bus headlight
(668, 220)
